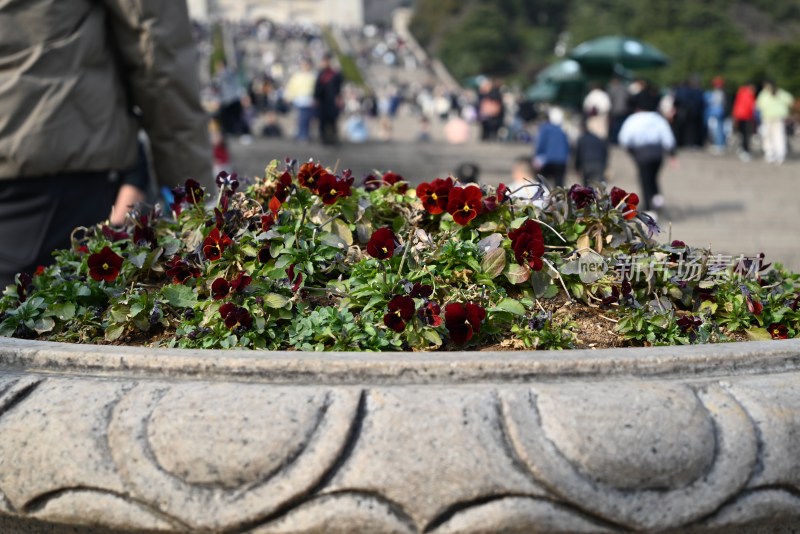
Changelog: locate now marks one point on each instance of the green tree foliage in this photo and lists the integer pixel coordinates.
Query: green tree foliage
(739, 39)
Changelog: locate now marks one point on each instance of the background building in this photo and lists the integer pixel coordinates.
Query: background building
(337, 12)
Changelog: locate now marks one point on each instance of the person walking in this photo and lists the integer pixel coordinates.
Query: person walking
(328, 98)
(300, 92)
(744, 117)
(774, 105)
(73, 73)
(619, 96)
(552, 149)
(596, 109)
(715, 115)
(648, 137)
(591, 156)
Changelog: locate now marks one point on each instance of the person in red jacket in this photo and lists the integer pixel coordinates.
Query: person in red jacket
(744, 117)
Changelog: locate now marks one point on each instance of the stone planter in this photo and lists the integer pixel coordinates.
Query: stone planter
(666, 439)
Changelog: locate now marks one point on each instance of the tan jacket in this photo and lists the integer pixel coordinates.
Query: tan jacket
(71, 71)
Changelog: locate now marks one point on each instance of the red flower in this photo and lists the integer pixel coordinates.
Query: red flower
(215, 244)
(463, 320)
(490, 203)
(429, 312)
(503, 193)
(464, 204)
(631, 200)
(420, 290)
(527, 243)
(234, 315)
(529, 251)
(227, 182)
(267, 221)
(310, 174)
(382, 244)
(754, 306)
(264, 255)
(240, 282)
(778, 331)
(104, 265)
(401, 310)
(294, 280)
(434, 195)
(689, 323)
(371, 183)
(194, 193)
(178, 196)
(24, 281)
(330, 188)
(274, 205)
(113, 235)
(220, 289)
(180, 270)
(392, 178)
(581, 196)
(283, 187)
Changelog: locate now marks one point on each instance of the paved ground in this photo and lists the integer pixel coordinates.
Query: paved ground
(737, 208)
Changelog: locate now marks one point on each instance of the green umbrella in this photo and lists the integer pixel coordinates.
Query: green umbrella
(618, 51)
(542, 91)
(568, 70)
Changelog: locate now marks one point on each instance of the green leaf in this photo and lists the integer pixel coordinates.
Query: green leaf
(138, 259)
(114, 332)
(179, 295)
(511, 306)
(758, 334)
(517, 274)
(541, 282)
(64, 310)
(494, 262)
(275, 300)
(432, 336)
(340, 228)
(333, 240)
(44, 324)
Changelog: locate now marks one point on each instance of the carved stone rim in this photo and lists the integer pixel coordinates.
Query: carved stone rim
(290, 367)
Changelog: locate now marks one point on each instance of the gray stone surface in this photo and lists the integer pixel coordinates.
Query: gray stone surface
(673, 439)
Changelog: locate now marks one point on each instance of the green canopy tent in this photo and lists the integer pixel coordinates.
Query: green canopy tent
(615, 52)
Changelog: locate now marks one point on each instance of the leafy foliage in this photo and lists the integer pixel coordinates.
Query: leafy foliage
(304, 259)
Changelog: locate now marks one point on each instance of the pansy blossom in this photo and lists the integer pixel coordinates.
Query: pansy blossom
(581, 196)
(240, 282)
(220, 289)
(215, 244)
(429, 313)
(630, 200)
(180, 270)
(382, 243)
(778, 331)
(330, 188)
(434, 195)
(104, 265)
(401, 310)
(463, 321)
(194, 192)
(464, 204)
(234, 316)
(527, 243)
(310, 175)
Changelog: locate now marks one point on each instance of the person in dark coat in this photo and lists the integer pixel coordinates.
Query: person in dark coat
(328, 99)
(591, 157)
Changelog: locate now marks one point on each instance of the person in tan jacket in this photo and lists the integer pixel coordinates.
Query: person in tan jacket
(78, 79)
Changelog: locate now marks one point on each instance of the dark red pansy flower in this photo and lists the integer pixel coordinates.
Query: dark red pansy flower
(778, 331)
(113, 235)
(267, 221)
(283, 187)
(82, 249)
(503, 193)
(754, 306)
(194, 193)
(219, 219)
(264, 254)
(143, 233)
(677, 243)
(382, 243)
(689, 323)
(310, 174)
(529, 251)
(215, 244)
(631, 201)
(330, 188)
(371, 182)
(104, 265)
(240, 282)
(429, 313)
(274, 205)
(527, 242)
(392, 178)
(180, 270)
(401, 310)
(24, 281)
(234, 316)
(434, 195)
(462, 321)
(220, 289)
(39, 270)
(581, 196)
(294, 280)
(490, 203)
(227, 182)
(464, 204)
(421, 290)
